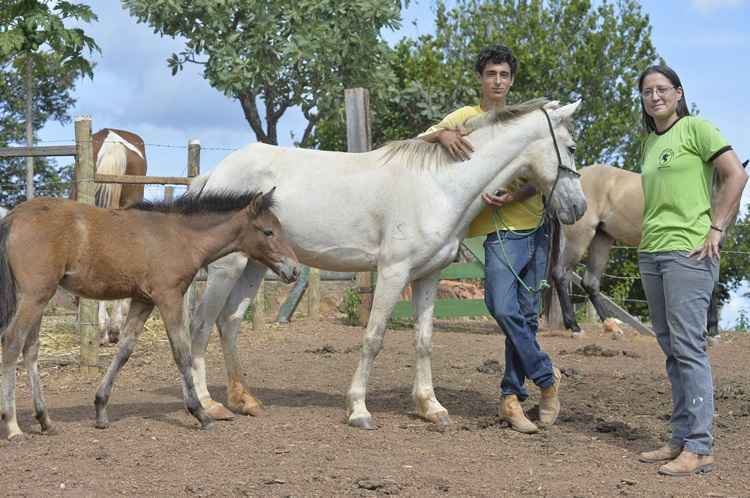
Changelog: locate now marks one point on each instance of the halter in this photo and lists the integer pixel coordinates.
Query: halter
(543, 284)
(560, 166)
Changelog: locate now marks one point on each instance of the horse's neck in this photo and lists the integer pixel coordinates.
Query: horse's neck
(212, 236)
(494, 164)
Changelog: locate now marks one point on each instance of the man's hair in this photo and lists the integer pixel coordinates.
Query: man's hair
(496, 54)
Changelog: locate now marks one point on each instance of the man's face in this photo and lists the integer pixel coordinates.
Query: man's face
(496, 80)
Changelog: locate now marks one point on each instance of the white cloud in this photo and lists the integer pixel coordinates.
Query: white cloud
(706, 6)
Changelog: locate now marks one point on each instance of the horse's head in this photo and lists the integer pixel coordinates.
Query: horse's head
(552, 164)
(264, 241)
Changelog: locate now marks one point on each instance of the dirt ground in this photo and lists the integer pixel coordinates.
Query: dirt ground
(615, 400)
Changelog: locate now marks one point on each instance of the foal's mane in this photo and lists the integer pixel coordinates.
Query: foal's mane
(419, 153)
(214, 202)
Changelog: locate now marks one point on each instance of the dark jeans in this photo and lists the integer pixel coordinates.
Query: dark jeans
(515, 308)
(678, 290)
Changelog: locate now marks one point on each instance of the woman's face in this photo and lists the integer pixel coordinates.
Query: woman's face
(660, 97)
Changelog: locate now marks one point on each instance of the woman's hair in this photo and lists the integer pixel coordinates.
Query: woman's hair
(671, 75)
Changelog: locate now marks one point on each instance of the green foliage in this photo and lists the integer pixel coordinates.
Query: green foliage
(33, 35)
(567, 49)
(743, 322)
(29, 27)
(350, 306)
(275, 55)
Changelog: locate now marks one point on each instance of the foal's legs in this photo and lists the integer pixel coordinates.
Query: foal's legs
(25, 321)
(390, 283)
(223, 275)
(30, 357)
(423, 299)
(239, 399)
(137, 316)
(170, 307)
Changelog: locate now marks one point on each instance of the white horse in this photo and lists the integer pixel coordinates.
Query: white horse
(402, 210)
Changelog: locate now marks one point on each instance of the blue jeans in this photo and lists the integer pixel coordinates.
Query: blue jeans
(516, 309)
(678, 290)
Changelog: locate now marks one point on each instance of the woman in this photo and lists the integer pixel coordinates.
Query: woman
(679, 256)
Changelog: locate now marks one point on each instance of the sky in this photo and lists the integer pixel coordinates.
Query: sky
(705, 41)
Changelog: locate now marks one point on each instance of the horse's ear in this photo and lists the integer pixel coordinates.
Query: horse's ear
(268, 199)
(256, 204)
(566, 111)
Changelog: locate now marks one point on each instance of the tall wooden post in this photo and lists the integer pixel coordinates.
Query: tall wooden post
(85, 188)
(259, 308)
(168, 194)
(29, 125)
(359, 139)
(313, 295)
(193, 170)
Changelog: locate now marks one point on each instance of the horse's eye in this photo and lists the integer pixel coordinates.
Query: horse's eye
(268, 232)
(572, 149)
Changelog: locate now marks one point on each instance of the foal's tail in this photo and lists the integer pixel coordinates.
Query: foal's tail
(7, 281)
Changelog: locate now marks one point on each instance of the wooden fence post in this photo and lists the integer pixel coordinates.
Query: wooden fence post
(313, 295)
(85, 189)
(193, 170)
(168, 194)
(259, 308)
(359, 139)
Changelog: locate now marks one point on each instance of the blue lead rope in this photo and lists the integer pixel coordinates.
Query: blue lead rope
(497, 217)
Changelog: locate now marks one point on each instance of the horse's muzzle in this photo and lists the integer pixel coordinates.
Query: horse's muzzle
(288, 271)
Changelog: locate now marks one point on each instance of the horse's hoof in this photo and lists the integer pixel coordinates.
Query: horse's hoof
(101, 424)
(208, 426)
(17, 437)
(441, 418)
(579, 334)
(219, 412)
(363, 423)
(50, 431)
(254, 410)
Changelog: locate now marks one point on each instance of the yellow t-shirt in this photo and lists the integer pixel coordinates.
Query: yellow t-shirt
(523, 215)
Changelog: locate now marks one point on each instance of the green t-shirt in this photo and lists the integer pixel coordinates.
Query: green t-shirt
(677, 180)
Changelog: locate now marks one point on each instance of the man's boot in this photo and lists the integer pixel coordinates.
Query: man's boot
(549, 404)
(688, 463)
(664, 454)
(511, 412)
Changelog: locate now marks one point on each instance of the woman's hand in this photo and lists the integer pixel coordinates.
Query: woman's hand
(498, 199)
(710, 247)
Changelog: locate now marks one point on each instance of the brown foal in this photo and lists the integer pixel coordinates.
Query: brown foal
(149, 252)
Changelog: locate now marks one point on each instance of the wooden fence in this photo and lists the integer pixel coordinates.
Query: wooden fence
(86, 179)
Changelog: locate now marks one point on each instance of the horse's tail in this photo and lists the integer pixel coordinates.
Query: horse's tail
(197, 185)
(555, 252)
(112, 160)
(7, 281)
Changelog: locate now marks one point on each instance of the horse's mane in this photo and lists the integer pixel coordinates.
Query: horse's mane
(420, 153)
(212, 202)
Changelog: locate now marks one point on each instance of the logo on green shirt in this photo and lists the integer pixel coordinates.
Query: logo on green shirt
(665, 157)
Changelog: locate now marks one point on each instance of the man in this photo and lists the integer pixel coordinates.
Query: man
(515, 253)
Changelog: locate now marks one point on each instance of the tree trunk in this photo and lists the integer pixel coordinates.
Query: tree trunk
(29, 126)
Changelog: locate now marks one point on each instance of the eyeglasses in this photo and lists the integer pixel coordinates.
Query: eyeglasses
(658, 91)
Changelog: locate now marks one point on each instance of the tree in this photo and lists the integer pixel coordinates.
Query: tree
(567, 49)
(272, 56)
(35, 41)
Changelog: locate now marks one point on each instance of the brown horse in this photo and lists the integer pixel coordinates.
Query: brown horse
(614, 197)
(149, 252)
(116, 152)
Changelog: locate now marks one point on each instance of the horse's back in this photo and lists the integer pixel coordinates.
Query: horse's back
(615, 198)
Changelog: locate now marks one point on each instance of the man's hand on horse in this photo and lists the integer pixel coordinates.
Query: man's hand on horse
(498, 199)
(710, 247)
(453, 141)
